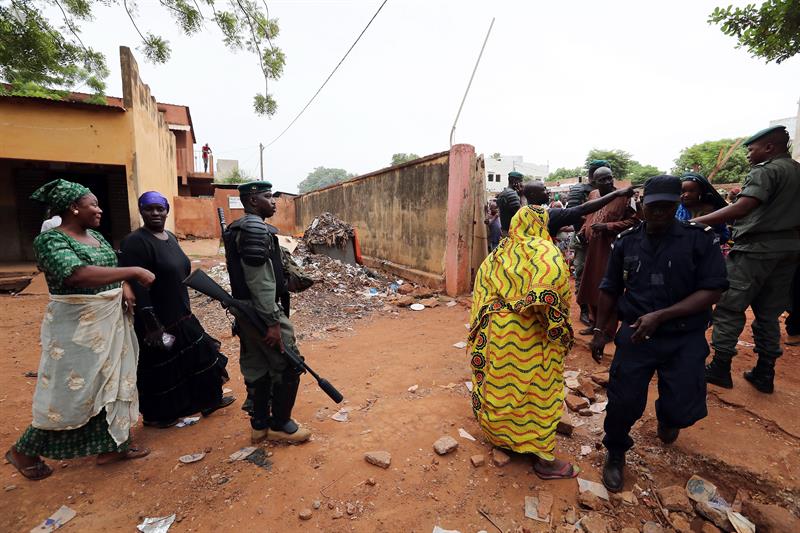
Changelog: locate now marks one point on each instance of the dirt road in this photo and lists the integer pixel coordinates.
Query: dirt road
(748, 441)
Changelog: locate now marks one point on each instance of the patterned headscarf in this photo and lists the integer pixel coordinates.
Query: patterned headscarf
(58, 194)
(708, 194)
(153, 197)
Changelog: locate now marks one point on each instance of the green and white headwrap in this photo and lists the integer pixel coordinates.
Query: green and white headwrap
(58, 194)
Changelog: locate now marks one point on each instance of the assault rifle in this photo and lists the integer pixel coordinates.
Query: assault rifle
(201, 282)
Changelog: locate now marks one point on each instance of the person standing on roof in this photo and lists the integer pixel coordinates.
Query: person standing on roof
(206, 154)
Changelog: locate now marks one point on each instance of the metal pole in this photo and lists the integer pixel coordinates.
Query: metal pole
(453, 130)
(261, 159)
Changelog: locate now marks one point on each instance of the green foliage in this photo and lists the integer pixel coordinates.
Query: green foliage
(638, 173)
(402, 157)
(39, 57)
(619, 160)
(236, 175)
(322, 177)
(560, 174)
(771, 31)
(702, 158)
(495, 155)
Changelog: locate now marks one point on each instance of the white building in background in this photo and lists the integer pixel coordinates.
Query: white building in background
(497, 171)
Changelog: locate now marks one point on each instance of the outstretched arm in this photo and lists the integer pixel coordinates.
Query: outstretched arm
(743, 207)
(598, 203)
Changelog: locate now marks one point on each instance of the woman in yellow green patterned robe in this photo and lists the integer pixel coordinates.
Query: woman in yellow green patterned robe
(519, 336)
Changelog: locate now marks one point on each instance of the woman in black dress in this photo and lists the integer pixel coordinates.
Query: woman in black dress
(181, 370)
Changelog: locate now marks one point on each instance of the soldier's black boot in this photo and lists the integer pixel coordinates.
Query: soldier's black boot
(762, 376)
(260, 394)
(718, 373)
(614, 471)
(584, 318)
(281, 426)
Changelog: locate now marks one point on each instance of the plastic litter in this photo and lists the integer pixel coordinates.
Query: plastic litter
(460, 345)
(463, 434)
(55, 520)
(191, 458)
(188, 421)
(595, 488)
(416, 307)
(244, 453)
(156, 525)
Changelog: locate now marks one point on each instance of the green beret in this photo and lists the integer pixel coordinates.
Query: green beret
(763, 133)
(254, 187)
(516, 175)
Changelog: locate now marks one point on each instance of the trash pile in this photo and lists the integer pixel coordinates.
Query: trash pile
(327, 230)
(341, 294)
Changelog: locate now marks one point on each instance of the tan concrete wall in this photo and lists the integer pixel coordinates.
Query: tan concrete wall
(152, 143)
(399, 212)
(195, 217)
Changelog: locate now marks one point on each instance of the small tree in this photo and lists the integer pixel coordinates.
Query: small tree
(560, 174)
(322, 177)
(236, 175)
(771, 32)
(619, 160)
(402, 157)
(703, 158)
(496, 155)
(639, 173)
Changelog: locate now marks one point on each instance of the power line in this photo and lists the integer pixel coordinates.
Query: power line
(329, 76)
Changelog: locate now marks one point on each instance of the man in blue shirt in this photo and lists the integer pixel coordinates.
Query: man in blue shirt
(663, 276)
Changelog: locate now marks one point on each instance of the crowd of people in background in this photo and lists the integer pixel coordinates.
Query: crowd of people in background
(652, 272)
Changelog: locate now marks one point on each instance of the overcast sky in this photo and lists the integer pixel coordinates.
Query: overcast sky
(556, 79)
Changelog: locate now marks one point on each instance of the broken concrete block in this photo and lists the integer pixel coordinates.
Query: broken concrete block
(565, 427)
(477, 460)
(500, 458)
(680, 524)
(594, 523)
(601, 378)
(381, 459)
(576, 403)
(445, 445)
(717, 516)
(653, 527)
(674, 498)
(589, 500)
(770, 517)
(586, 389)
(430, 302)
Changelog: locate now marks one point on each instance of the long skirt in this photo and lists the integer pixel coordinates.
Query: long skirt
(91, 439)
(183, 380)
(518, 381)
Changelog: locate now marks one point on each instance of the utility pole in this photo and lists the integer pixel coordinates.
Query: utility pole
(261, 159)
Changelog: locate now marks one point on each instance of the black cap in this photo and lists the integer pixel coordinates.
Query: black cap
(662, 189)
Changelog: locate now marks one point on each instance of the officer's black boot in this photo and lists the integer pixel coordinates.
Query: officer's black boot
(614, 471)
(281, 426)
(667, 434)
(762, 375)
(584, 318)
(718, 372)
(260, 393)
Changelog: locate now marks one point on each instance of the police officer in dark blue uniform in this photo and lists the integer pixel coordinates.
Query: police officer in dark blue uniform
(663, 276)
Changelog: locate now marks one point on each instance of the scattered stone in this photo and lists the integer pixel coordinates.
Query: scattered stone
(371, 482)
(565, 427)
(445, 445)
(629, 498)
(465, 435)
(477, 460)
(430, 302)
(404, 301)
(305, 514)
(500, 458)
(350, 508)
(572, 383)
(594, 523)
(770, 517)
(413, 388)
(674, 498)
(717, 516)
(585, 450)
(571, 516)
(680, 523)
(586, 389)
(586, 412)
(533, 509)
(545, 503)
(652, 527)
(584, 485)
(741, 496)
(405, 288)
(460, 345)
(567, 528)
(381, 459)
(708, 527)
(576, 403)
(337, 514)
(590, 500)
(9, 488)
(317, 504)
(629, 530)
(601, 378)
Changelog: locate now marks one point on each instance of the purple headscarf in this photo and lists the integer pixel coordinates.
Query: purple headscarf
(153, 197)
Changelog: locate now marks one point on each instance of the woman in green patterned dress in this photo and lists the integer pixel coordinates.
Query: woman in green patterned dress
(85, 400)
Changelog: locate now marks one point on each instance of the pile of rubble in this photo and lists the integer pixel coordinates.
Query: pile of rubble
(327, 230)
(341, 294)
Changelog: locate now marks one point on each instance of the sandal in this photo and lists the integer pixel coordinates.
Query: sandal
(568, 471)
(133, 452)
(224, 402)
(35, 472)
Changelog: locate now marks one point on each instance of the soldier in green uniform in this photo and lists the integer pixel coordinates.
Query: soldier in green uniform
(763, 259)
(254, 264)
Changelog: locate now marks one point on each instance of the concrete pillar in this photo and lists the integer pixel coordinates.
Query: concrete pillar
(458, 252)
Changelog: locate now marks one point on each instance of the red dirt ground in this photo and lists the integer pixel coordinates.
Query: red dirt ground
(749, 440)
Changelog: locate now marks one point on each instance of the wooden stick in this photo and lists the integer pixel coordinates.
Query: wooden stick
(487, 517)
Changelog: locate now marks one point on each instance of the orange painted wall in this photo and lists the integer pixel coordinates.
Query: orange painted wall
(195, 217)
